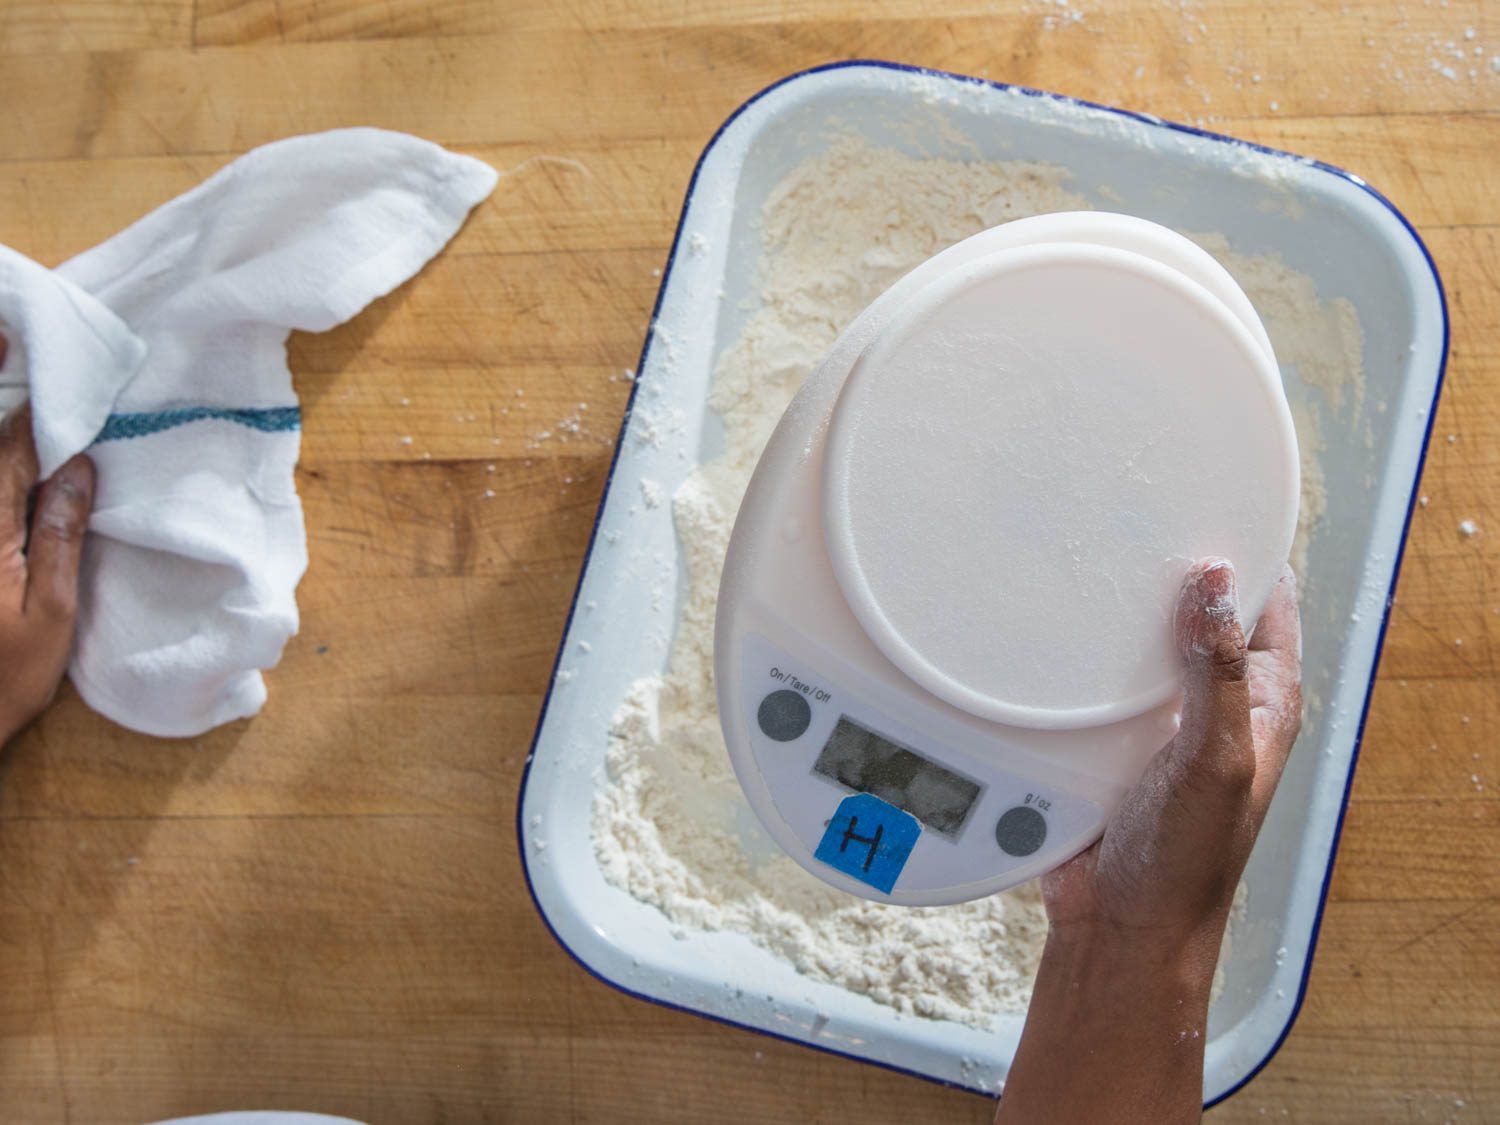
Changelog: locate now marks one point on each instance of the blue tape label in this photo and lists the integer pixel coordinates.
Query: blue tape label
(869, 839)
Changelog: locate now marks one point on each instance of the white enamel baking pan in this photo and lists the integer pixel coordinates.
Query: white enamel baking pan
(1324, 222)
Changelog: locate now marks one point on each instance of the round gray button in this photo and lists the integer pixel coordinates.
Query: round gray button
(784, 715)
(1021, 831)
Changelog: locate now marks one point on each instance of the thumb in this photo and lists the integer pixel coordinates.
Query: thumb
(1216, 703)
(57, 530)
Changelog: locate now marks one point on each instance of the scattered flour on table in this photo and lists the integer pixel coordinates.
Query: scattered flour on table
(670, 824)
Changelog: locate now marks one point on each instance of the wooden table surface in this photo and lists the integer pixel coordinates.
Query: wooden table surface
(323, 908)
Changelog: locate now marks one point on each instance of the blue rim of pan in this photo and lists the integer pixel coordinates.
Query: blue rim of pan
(1144, 118)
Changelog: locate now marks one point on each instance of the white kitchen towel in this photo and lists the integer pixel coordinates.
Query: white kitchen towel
(197, 541)
(52, 325)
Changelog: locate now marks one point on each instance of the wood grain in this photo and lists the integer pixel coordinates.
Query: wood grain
(323, 908)
(49, 26)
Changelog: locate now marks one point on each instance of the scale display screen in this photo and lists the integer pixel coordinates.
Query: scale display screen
(862, 760)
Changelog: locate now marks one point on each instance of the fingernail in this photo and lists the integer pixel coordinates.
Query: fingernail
(1220, 590)
(1208, 604)
(76, 477)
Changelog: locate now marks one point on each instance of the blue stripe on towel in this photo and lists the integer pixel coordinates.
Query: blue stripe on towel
(269, 420)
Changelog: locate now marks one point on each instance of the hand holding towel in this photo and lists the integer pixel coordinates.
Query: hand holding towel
(162, 350)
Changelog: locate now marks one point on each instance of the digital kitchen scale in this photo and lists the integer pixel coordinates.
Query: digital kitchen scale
(943, 649)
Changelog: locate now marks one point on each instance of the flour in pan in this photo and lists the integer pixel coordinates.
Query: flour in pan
(670, 824)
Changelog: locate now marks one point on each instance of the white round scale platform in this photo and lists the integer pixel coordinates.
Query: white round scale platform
(944, 646)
